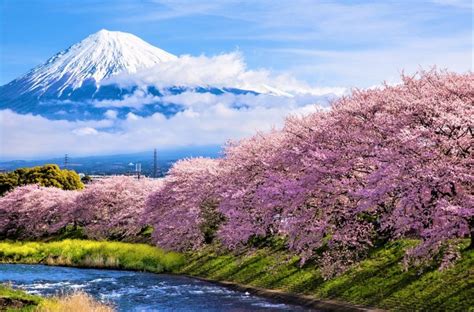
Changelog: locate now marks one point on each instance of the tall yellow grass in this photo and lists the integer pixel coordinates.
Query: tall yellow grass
(76, 302)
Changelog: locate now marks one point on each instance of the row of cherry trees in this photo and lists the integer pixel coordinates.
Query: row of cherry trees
(380, 165)
(111, 208)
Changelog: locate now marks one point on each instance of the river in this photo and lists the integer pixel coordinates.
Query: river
(137, 291)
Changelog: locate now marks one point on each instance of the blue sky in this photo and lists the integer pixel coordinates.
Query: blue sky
(326, 43)
(313, 49)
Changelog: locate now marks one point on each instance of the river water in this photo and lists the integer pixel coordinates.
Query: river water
(137, 291)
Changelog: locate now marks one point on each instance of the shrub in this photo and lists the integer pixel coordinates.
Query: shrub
(47, 175)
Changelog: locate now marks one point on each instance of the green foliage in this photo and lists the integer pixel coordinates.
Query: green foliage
(146, 231)
(69, 232)
(8, 181)
(378, 281)
(271, 241)
(211, 219)
(86, 179)
(19, 297)
(47, 175)
(84, 253)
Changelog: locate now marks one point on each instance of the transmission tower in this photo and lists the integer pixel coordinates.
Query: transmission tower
(66, 161)
(155, 163)
(138, 170)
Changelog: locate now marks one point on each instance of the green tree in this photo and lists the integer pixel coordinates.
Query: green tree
(8, 181)
(47, 175)
(86, 179)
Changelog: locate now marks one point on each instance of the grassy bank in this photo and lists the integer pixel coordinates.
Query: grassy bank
(378, 281)
(83, 253)
(17, 300)
(14, 300)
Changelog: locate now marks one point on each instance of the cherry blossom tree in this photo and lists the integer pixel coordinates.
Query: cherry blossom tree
(184, 205)
(383, 164)
(422, 178)
(32, 211)
(244, 171)
(113, 207)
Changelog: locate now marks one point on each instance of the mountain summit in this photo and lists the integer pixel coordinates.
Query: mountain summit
(97, 57)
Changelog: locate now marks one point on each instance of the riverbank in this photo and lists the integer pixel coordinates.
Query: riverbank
(92, 254)
(15, 300)
(378, 281)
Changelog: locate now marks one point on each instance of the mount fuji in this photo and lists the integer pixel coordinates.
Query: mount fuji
(68, 84)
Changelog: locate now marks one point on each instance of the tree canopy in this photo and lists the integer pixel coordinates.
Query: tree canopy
(47, 175)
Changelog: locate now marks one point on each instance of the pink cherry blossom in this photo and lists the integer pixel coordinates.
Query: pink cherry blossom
(113, 207)
(33, 211)
(175, 210)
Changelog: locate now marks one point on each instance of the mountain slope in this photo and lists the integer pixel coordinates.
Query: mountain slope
(99, 56)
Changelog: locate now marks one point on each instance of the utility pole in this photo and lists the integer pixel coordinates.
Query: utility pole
(138, 169)
(155, 164)
(66, 161)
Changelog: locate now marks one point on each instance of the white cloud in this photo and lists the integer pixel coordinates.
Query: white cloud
(132, 117)
(205, 120)
(111, 114)
(224, 70)
(85, 131)
(136, 100)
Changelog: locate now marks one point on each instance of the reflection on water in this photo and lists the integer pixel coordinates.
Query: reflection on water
(137, 291)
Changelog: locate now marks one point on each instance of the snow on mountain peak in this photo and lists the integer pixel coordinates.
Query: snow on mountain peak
(97, 57)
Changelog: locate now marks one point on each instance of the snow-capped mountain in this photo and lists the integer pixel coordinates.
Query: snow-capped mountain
(73, 83)
(99, 56)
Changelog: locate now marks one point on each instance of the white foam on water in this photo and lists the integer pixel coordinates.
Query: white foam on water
(270, 305)
(113, 294)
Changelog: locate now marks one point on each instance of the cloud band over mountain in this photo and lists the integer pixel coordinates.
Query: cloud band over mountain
(97, 104)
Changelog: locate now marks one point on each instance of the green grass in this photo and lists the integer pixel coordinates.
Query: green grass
(84, 253)
(30, 302)
(378, 281)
